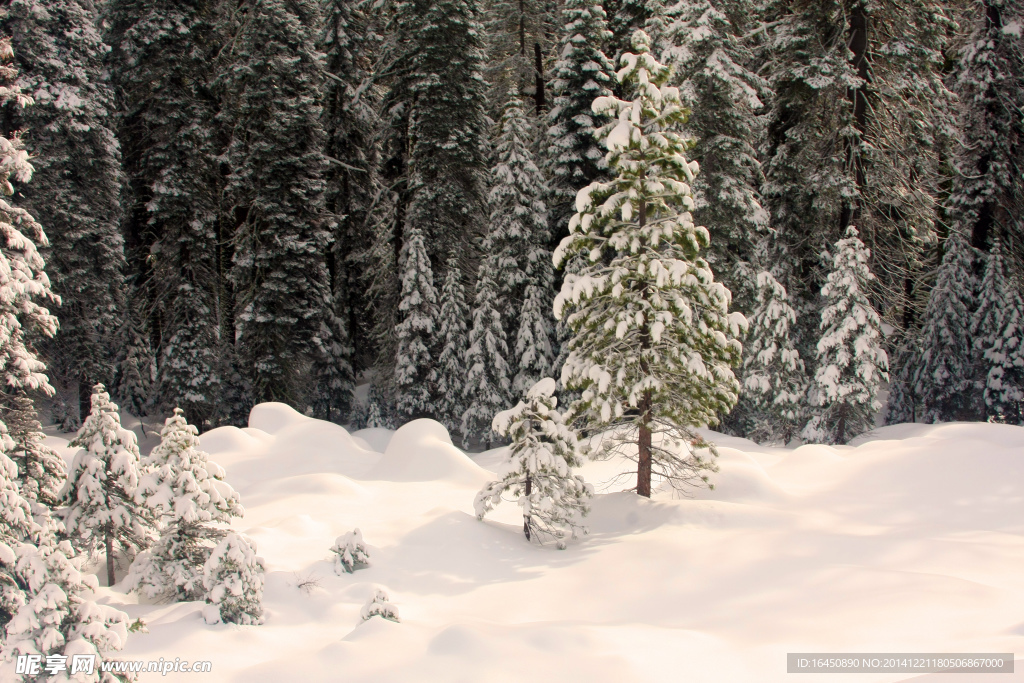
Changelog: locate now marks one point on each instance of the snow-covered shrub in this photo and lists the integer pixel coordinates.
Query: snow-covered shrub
(542, 454)
(233, 578)
(379, 606)
(851, 361)
(350, 552)
(187, 492)
(101, 509)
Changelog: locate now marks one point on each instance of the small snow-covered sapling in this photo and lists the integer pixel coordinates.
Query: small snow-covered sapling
(350, 552)
(379, 606)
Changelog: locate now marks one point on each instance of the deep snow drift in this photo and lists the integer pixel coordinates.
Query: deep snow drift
(910, 541)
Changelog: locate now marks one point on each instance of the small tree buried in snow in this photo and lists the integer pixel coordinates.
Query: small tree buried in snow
(653, 340)
(349, 552)
(186, 490)
(100, 491)
(774, 379)
(233, 578)
(543, 453)
(378, 606)
(851, 361)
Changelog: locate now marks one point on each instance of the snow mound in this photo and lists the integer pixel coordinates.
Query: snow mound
(225, 439)
(422, 450)
(740, 479)
(274, 417)
(374, 438)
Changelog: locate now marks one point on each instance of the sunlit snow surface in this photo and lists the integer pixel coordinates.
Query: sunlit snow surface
(912, 540)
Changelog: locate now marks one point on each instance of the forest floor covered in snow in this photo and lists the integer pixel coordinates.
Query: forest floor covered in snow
(909, 540)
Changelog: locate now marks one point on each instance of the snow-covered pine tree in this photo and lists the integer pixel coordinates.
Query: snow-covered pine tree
(653, 337)
(903, 405)
(41, 471)
(454, 336)
(75, 191)
(851, 363)
(234, 578)
(713, 63)
(987, 197)
(101, 511)
(332, 370)
(162, 64)
(415, 372)
(944, 372)
(1004, 384)
(134, 380)
(273, 78)
(518, 38)
(581, 73)
(543, 452)
(625, 17)
(349, 552)
(487, 387)
(774, 377)
(533, 351)
(996, 333)
(187, 493)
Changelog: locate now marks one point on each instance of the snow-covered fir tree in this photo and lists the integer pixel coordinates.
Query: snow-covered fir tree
(454, 336)
(851, 363)
(273, 79)
(350, 552)
(987, 197)
(625, 17)
(996, 335)
(41, 471)
(518, 38)
(774, 376)
(653, 340)
(713, 64)
(234, 577)
(441, 91)
(415, 372)
(487, 387)
(332, 370)
(944, 372)
(903, 405)
(133, 385)
(187, 493)
(75, 190)
(162, 64)
(580, 74)
(101, 511)
(518, 218)
(543, 452)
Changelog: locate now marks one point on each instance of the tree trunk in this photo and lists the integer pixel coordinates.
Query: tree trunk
(109, 542)
(858, 44)
(643, 470)
(526, 518)
(538, 93)
(84, 398)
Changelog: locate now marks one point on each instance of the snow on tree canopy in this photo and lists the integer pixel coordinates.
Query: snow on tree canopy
(653, 341)
(233, 578)
(379, 605)
(349, 552)
(851, 361)
(543, 452)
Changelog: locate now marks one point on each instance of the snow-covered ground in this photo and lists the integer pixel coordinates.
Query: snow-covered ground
(911, 540)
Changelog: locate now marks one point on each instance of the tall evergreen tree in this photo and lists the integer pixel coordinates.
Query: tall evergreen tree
(653, 340)
(625, 17)
(487, 388)
(415, 372)
(70, 133)
(851, 362)
(581, 73)
(136, 369)
(519, 34)
(944, 374)
(451, 363)
(713, 63)
(273, 80)
(41, 471)
(178, 247)
(987, 198)
(774, 377)
(997, 336)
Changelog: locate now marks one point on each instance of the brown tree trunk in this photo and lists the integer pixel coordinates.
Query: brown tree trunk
(643, 470)
(84, 398)
(526, 518)
(858, 44)
(109, 542)
(538, 93)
